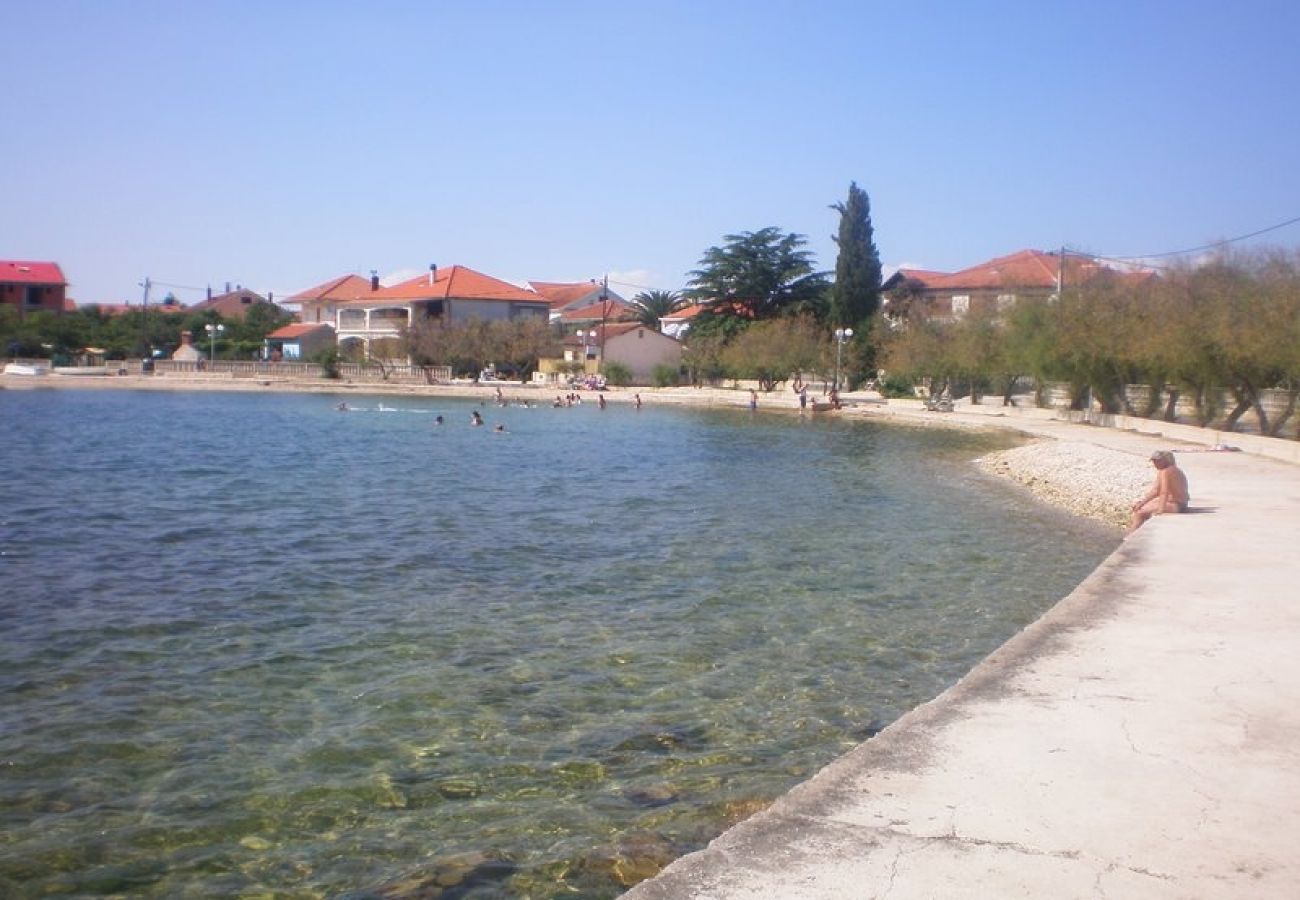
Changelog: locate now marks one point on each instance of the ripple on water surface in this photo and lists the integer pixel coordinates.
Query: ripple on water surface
(255, 645)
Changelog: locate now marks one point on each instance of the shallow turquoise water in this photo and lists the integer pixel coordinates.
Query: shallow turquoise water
(252, 644)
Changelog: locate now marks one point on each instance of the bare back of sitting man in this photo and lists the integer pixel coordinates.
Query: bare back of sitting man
(1167, 495)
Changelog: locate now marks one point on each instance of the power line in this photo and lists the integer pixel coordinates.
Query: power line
(1210, 246)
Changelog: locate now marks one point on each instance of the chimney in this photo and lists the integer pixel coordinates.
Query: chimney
(374, 280)
(433, 273)
(187, 338)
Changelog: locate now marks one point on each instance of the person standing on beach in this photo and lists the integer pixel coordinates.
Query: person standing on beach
(1168, 495)
(753, 399)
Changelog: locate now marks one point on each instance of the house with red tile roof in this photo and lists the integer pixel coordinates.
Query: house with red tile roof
(299, 341)
(370, 319)
(594, 314)
(319, 305)
(678, 322)
(568, 297)
(995, 284)
(30, 287)
(230, 305)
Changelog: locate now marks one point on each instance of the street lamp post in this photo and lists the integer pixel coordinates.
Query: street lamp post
(213, 331)
(841, 335)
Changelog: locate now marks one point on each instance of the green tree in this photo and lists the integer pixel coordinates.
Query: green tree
(471, 346)
(776, 350)
(855, 295)
(757, 275)
(652, 306)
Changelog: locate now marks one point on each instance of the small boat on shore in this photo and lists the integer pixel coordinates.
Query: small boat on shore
(24, 369)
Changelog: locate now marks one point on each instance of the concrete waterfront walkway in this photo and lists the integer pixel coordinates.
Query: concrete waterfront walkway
(1141, 740)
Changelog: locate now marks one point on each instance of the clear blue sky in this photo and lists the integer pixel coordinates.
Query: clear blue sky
(278, 144)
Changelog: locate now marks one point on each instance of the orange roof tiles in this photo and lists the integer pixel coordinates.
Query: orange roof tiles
(456, 282)
(1023, 269)
(690, 312)
(924, 276)
(346, 287)
(296, 330)
(562, 293)
(609, 310)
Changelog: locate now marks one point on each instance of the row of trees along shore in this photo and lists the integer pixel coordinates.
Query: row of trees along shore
(1213, 337)
(1221, 337)
(136, 333)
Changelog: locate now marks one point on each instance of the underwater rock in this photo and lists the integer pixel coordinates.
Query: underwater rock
(451, 877)
(655, 795)
(633, 859)
(459, 788)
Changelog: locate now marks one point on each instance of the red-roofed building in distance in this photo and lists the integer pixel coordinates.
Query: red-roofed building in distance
(370, 322)
(233, 304)
(299, 341)
(30, 287)
(632, 344)
(995, 284)
(678, 322)
(578, 303)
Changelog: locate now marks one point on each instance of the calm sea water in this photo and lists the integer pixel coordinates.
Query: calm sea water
(250, 644)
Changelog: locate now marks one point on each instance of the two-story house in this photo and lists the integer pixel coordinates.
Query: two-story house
(370, 319)
(30, 287)
(995, 284)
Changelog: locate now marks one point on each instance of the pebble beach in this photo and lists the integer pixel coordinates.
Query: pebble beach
(1085, 479)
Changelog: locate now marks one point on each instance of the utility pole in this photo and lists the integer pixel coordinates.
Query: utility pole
(604, 313)
(144, 316)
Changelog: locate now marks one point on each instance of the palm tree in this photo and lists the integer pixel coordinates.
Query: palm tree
(652, 306)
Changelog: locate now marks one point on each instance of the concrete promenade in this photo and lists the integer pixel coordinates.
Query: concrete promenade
(1141, 740)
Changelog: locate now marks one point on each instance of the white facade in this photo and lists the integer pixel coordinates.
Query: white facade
(641, 349)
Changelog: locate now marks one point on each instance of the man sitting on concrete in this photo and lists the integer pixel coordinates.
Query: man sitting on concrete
(1167, 495)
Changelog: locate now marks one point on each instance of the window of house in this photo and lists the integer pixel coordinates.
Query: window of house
(32, 296)
(960, 304)
(1005, 300)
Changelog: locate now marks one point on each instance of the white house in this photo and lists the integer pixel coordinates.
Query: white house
(634, 345)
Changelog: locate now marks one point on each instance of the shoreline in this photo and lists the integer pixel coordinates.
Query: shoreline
(1081, 477)
(1126, 740)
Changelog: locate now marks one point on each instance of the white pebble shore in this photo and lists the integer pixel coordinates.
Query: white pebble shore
(1083, 478)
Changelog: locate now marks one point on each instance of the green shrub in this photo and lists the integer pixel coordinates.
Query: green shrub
(328, 360)
(618, 374)
(897, 386)
(664, 375)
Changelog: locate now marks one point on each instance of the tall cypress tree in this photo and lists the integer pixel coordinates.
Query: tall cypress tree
(855, 296)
